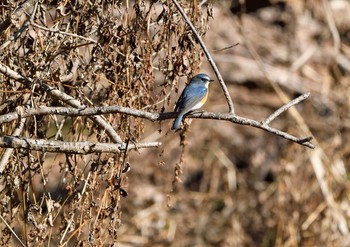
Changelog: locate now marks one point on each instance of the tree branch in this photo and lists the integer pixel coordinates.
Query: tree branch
(8, 152)
(12, 231)
(264, 125)
(65, 98)
(209, 57)
(285, 107)
(61, 32)
(89, 111)
(70, 147)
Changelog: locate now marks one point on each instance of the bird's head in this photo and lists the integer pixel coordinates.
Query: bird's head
(202, 78)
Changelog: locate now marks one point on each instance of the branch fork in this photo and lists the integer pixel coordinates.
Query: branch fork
(231, 117)
(78, 109)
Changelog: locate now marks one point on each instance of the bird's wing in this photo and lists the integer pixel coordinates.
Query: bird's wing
(189, 98)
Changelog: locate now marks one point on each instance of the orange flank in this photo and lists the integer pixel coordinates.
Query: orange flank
(205, 97)
(201, 103)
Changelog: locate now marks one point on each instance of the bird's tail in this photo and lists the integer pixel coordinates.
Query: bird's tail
(177, 122)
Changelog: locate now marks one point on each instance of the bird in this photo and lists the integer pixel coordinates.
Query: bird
(192, 98)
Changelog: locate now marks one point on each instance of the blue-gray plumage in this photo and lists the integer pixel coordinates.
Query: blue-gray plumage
(192, 97)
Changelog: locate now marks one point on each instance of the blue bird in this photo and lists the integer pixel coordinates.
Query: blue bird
(193, 97)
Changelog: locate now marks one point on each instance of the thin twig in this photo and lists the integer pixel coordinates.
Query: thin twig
(67, 228)
(82, 194)
(69, 147)
(65, 98)
(225, 48)
(89, 111)
(17, 131)
(13, 232)
(285, 107)
(163, 116)
(63, 33)
(262, 67)
(209, 57)
(8, 152)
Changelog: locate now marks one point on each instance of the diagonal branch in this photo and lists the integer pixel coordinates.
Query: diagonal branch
(209, 57)
(8, 152)
(65, 98)
(12, 231)
(305, 141)
(285, 107)
(70, 147)
(264, 125)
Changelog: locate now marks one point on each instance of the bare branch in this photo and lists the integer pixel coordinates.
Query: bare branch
(89, 111)
(163, 116)
(69, 147)
(63, 33)
(65, 98)
(305, 141)
(285, 107)
(12, 231)
(7, 154)
(225, 48)
(209, 57)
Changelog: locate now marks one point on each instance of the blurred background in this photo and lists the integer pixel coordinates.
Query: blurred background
(241, 186)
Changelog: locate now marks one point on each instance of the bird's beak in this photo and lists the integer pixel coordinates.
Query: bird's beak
(211, 80)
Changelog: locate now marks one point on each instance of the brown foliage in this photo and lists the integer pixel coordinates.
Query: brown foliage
(101, 54)
(216, 185)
